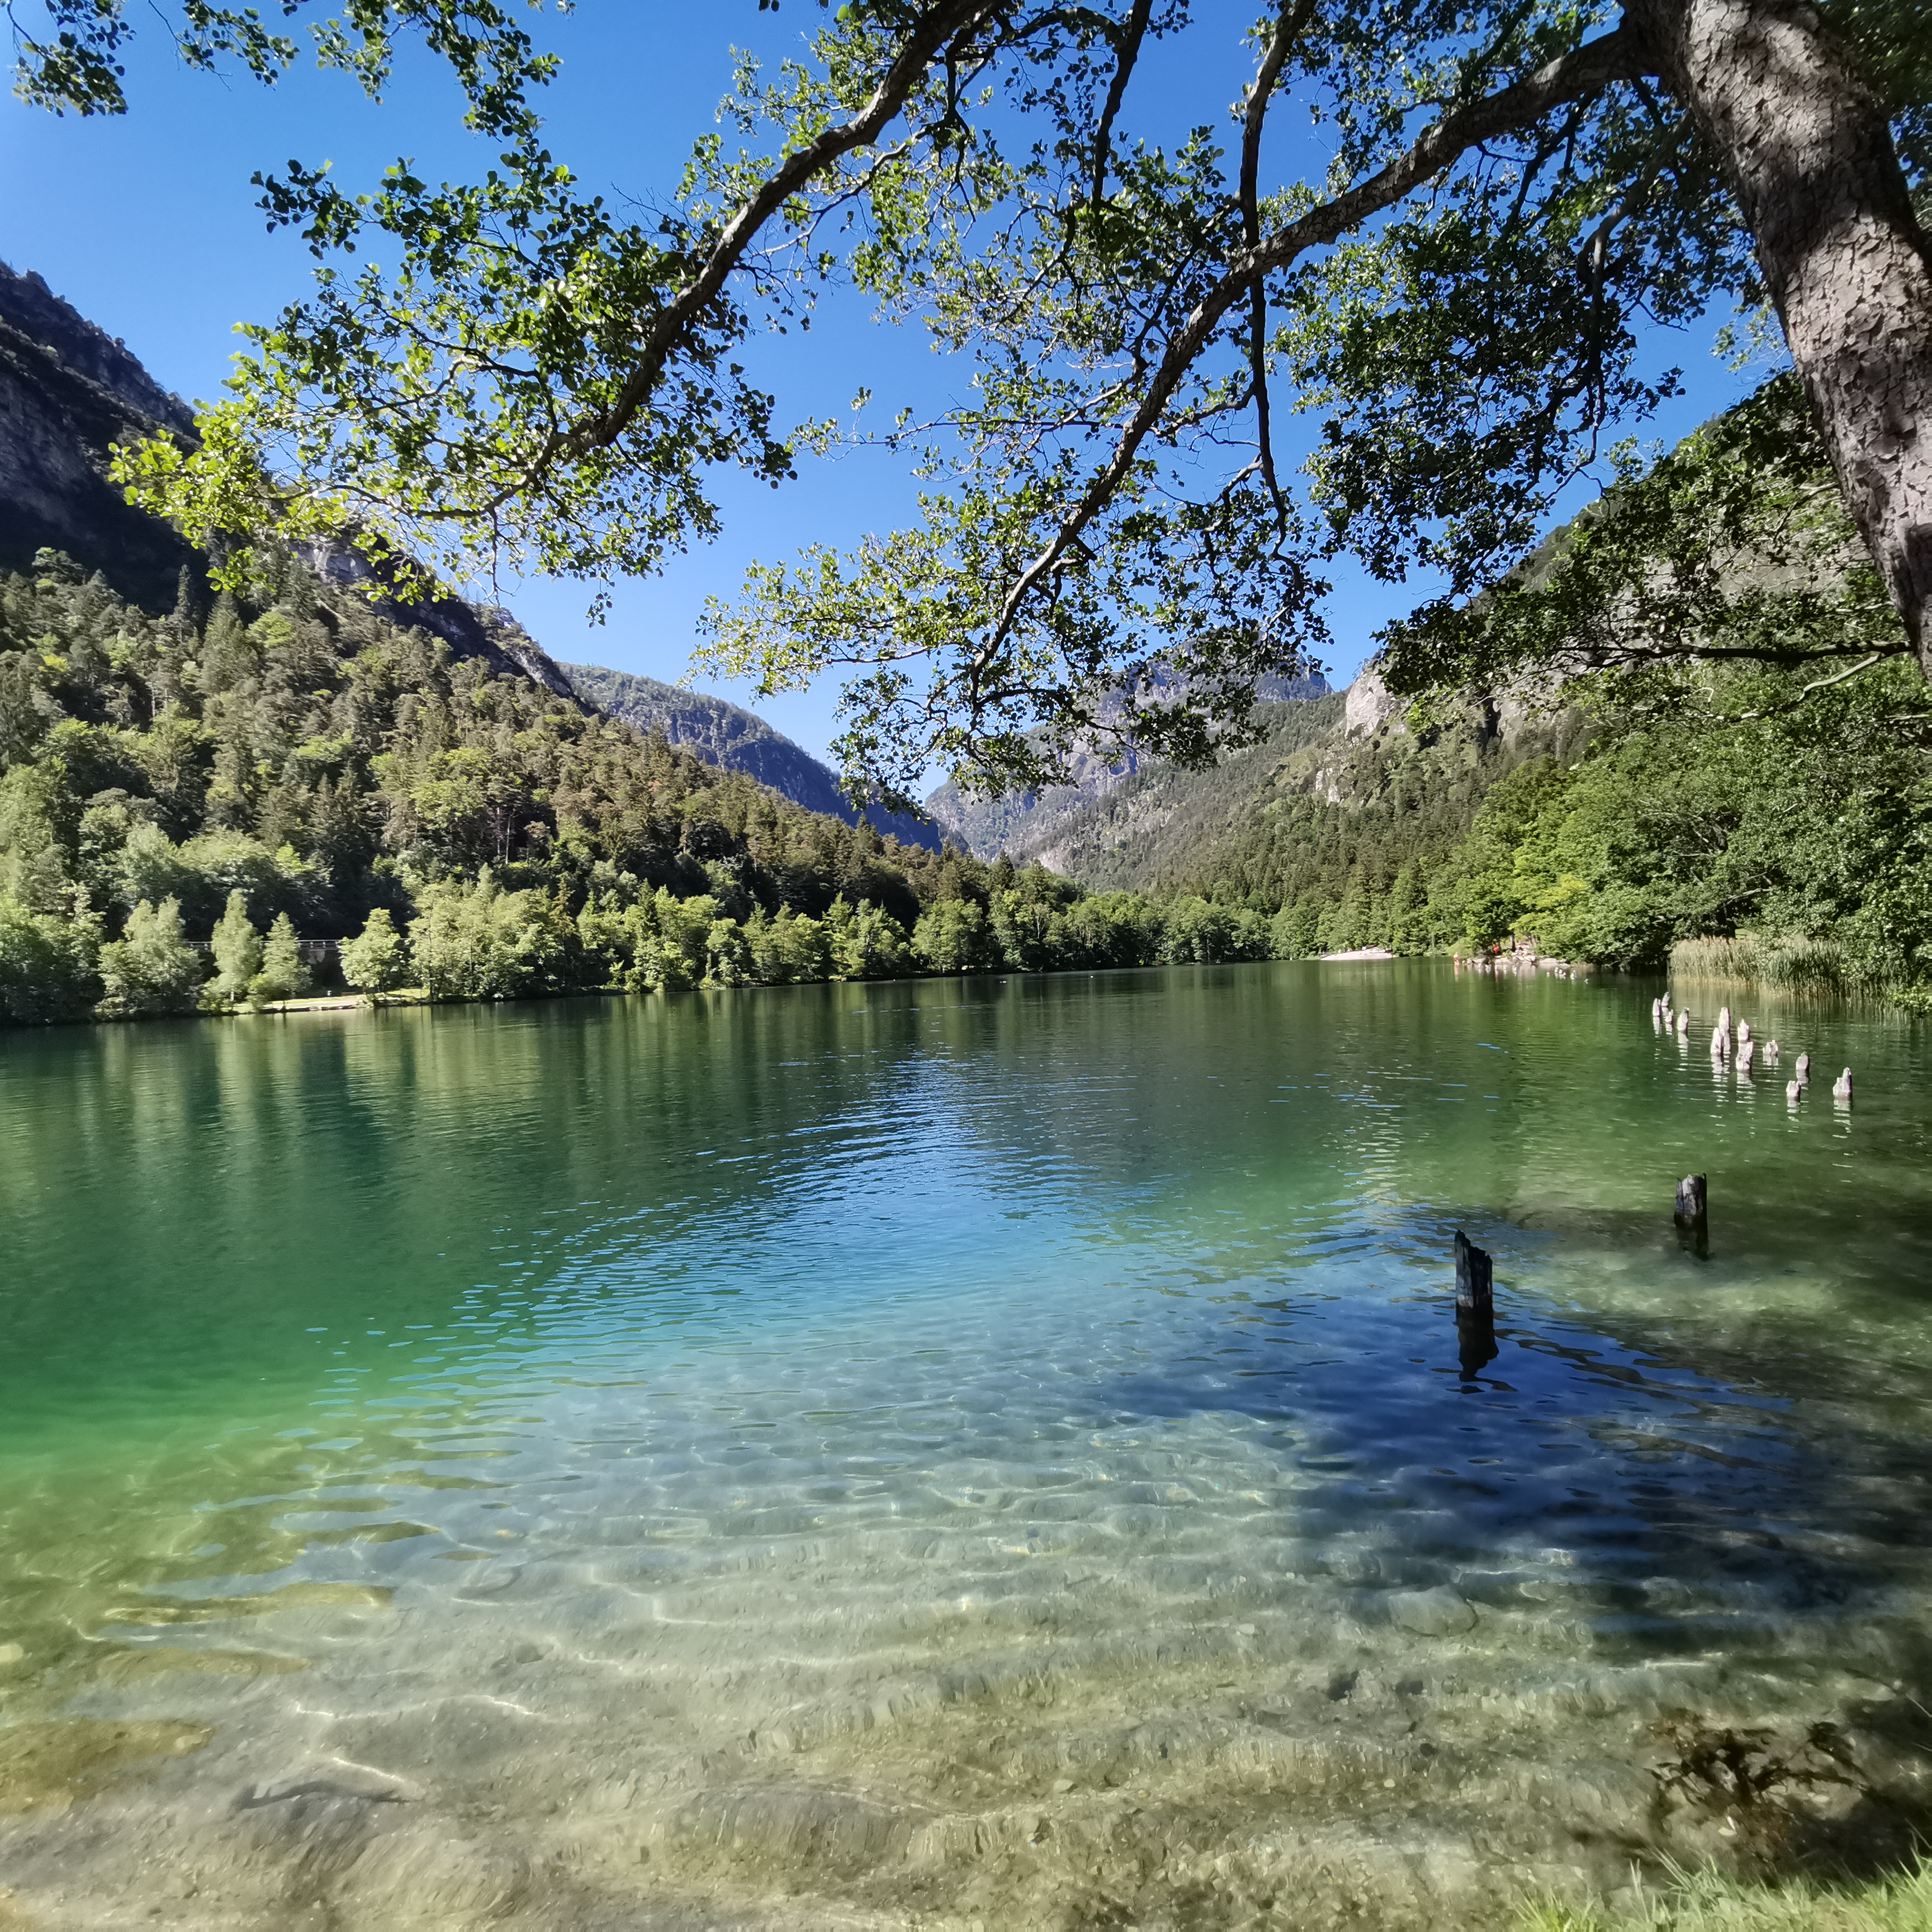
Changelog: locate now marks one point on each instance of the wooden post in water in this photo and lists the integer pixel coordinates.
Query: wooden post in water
(1684, 1026)
(1693, 1213)
(1841, 1088)
(1475, 1278)
(1475, 1305)
(1746, 1048)
(1804, 1069)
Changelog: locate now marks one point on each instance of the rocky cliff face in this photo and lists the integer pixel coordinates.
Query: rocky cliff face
(68, 392)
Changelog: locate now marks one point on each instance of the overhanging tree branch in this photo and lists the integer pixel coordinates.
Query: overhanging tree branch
(1294, 17)
(1132, 35)
(1588, 70)
(940, 28)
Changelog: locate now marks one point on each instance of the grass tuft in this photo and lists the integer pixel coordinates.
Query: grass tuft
(1707, 1901)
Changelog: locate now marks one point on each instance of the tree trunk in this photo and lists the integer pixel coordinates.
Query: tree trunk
(1805, 147)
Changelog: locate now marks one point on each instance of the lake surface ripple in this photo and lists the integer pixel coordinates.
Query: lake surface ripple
(945, 1453)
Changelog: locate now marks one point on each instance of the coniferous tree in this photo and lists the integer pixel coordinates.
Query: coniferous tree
(227, 657)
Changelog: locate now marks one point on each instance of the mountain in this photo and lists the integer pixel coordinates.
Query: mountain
(68, 391)
(728, 736)
(1032, 825)
(1339, 790)
(170, 758)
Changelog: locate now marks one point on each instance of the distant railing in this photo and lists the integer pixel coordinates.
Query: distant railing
(315, 951)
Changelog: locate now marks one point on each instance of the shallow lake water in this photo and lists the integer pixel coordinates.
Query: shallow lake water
(943, 1454)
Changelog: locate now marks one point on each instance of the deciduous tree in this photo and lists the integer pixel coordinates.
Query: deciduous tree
(1111, 541)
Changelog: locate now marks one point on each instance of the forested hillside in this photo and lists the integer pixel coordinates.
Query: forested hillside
(1624, 804)
(1036, 825)
(1343, 825)
(189, 802)
(1606, 830)
(423, 797)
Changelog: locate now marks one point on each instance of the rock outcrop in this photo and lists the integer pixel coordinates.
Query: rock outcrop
(68, 393)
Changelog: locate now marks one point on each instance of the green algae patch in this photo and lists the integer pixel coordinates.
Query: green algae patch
(52, 1765)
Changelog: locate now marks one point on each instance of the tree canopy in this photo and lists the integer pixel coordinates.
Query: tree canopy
(1436, 232)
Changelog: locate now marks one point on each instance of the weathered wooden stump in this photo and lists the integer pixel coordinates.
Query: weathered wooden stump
(1720, 1043)
(1724, 1019)
(1475, 1278)
(1804, 1068)
(1684, 1023)
(1747, 1052)
(1841, 1087)
(1694, 1225)
(1794, 1092)
(1744, 1033)
(1770, 1053)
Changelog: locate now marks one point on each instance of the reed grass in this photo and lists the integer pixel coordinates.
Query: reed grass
(1707, 1901)
(1789, 960)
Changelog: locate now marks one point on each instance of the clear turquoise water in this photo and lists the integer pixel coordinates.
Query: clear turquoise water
(921, 1452)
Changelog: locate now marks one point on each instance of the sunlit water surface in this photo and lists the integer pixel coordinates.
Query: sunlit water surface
(941, 1452)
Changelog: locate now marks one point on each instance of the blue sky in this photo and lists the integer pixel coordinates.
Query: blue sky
(147, 225)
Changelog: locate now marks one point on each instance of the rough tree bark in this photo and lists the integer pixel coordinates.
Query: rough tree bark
(1805, 146)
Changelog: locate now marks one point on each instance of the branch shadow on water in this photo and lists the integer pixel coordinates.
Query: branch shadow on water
(1712, 1465)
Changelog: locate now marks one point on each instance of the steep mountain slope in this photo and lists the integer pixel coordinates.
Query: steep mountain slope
(727, 735)
(1032, 825)
(68, 392)
(1341, 824)
(326, 756)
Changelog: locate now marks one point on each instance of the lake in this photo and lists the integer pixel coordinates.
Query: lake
(995, 1452)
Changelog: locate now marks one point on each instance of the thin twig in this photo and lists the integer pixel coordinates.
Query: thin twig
(1294, 17)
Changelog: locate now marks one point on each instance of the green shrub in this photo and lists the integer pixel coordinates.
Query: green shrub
(378, 961)
(481, 943)
(49, 967)
(151, 968)
(953, 937)
(863, 942)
